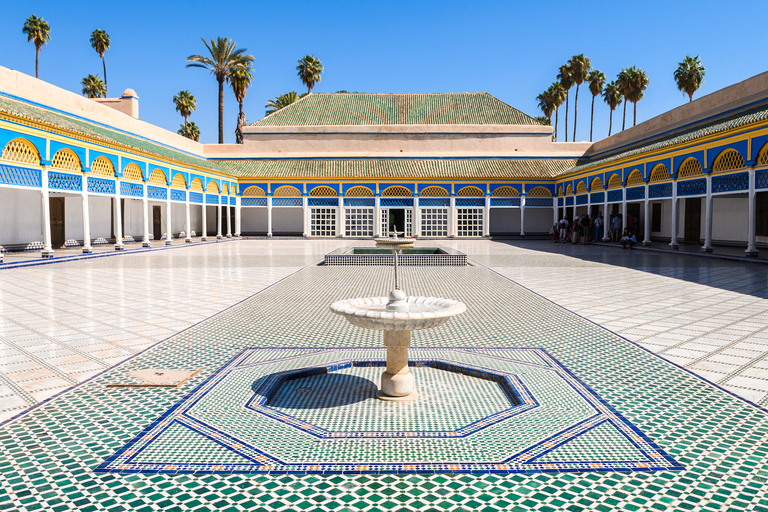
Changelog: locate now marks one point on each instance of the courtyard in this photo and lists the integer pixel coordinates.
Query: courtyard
(642, 382)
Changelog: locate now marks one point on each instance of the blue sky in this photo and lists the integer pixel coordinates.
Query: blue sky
(509, 49)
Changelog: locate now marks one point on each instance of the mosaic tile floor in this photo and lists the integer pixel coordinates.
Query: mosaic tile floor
(48, 456)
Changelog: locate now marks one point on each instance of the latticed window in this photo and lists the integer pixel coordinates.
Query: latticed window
(470, 192)
(197, 185)
(728, 160)
(434, 192)
(614, 182)
(469, 221)
(597, 184)
(102, 166)
(539, 192)
(225, 189)
(132, 172)
(762, 157)
(689, 167)
(506, 192)
(213, 188)
(358, 221)
(660, 173)
(359, 192)
(158, 177)
(179, 181)
(20, 150)
(569, 190)
(255, 191)
(323, 192)
(581, 188)
(66, 159)
(396, 192)
(288, 191)
(634, 178)
(434, 222)
(323, 222)
(560, 191)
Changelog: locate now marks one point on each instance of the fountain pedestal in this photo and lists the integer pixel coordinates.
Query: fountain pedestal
(397, 380)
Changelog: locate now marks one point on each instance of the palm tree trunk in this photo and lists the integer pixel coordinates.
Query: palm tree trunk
(634, 117)
(610, 123)
(556, 116)
(104, 65)
(592, 118)
(221, 111)
(241, 108)
(575, 111)
(37, 61)
(186, 127)
(566, 116)
(624, 119)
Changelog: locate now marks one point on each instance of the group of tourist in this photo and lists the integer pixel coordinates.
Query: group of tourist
(584, 230)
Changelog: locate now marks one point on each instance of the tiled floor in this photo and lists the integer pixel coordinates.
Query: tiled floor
(48, 455)
(63, 323)
(708, 315)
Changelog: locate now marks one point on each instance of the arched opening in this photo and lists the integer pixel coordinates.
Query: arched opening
(396, 191)
(506, 191)
(660, 173)
(689, 168)
(132, 172)
(196, 185)
(158, 177)
(728, 160)
(66, 159)
(581, 188)
(434, 191)
(470, 192)
(22, 151)
(359, 192)
(539, 192)
(597, 184)
(635, 178)
(614, 182)
(322, 192)
(179, 181)
(254, 191)
(102, 166)
(288, 191)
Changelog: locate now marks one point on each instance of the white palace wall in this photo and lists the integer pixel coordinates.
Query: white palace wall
(21, 214)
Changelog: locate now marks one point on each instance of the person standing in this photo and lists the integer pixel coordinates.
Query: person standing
(615, 227)
(598, 224)
(586, 228)
(563, 229)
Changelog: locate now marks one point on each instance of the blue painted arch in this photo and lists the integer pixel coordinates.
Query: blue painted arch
(740, 146)
(7, 136)
(678, 160)
(347, 186)
(311, 186)
(57, 146)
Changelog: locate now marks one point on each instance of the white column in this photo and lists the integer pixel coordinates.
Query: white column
(487, 217)
(647, 219)
(673, 244)
(377, 217)
(187, 219)
(306, 215)
(522, 216)
(606, 218)
(751, 248)
(340, 219)
(238, 213)
(168, 231)
(589, 203)
(118, 218)
(218, 218)
(416, 218)
(145, 215)
(204, 235)
(554, 212)
(623, 209)
(269, 217)
(707, 247)
(47, 249)
(86, 219)
(229, 220)
(452, 218)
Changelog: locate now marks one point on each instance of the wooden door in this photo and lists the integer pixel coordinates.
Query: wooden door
(761, 214)
(692, 233)
(57, 221)
(157, 228)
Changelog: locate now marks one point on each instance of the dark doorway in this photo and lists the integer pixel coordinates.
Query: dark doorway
(233, 226)
(396, 219)
(56, 205)
(761, 214)
(692, 233)
(157, 228)
(633, 218)
(656, 217)
(595, 210)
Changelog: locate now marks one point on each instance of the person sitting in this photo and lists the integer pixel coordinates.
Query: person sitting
(554, 233)
(628, 239)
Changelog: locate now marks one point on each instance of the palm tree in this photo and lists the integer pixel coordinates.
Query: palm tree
(580, 67)
(224, 57)
(100, 43)
(185, 103)
(689, 75)
(565, 76)
(39, 32)
(241, 78)
(639, 83)
(281, 101)
(596, 81)
(94, 86)
(613, 97)
(190, 131)
(624, 81)
(546, 105)
(309, 70)
(557, 92)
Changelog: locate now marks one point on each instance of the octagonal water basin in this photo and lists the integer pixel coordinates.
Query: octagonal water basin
(339, 401)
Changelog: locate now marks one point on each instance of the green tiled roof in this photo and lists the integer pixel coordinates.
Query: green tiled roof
(365, 109)
(485, 168)
(678, 137)
(79, 126)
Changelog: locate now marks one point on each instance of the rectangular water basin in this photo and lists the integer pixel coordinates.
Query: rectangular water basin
(418, 256)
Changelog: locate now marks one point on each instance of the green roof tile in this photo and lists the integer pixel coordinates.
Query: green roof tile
(82, 127)
(418, 168)
(363, 109)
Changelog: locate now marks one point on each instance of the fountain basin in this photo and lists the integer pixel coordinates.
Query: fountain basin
(422, 313)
